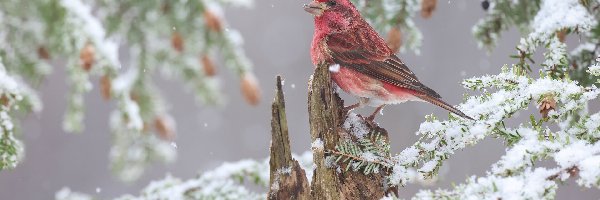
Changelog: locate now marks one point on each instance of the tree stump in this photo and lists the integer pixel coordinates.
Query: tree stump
(326, 117)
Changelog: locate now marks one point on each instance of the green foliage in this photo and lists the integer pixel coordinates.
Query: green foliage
(10, 150)
(502, 15)
(172, 39)
(368, 154)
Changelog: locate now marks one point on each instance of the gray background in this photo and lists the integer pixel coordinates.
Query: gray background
(277, 35)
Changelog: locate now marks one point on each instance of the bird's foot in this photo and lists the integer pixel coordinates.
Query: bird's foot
(361, 103)
(349, 108)
(371, 118)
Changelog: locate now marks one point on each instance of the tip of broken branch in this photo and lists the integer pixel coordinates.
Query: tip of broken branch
(287, 178)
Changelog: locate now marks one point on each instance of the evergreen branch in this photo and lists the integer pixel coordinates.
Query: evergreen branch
(501, 15)
(369, 153)
(88, 40)
(338, 155)
(13, 94)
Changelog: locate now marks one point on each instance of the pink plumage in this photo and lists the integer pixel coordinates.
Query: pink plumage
(368, 67)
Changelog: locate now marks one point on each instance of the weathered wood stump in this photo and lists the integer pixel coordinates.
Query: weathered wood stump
(326, 118)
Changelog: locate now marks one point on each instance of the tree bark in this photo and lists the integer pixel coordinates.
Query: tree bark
(326, 117)
(325, 114)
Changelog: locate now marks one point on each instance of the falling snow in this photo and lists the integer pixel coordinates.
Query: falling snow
(334, 68)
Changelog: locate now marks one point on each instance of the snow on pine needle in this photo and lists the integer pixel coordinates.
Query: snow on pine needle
(496, 187)
(577, 159)
(15, 97)
(553, 16)
(595, 69)
(440, 139)
(514, 92)
(574, 146)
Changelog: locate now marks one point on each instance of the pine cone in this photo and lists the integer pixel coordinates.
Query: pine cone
(212, 21)
(165, 127)
(177, 42)
(165, 7)
(562, 34)
(547, 104)
(4, 100)
(133, 95)
(105, 87)
(87, 55)
(208, 65)
(427, 8)
(250, 89)
(394, 39)
(43, 53)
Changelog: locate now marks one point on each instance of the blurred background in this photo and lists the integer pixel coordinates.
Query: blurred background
(277, 36)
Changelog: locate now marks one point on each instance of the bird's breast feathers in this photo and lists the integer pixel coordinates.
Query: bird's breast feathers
(320, 52)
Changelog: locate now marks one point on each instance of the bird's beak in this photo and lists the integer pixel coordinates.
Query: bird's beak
(315, 8)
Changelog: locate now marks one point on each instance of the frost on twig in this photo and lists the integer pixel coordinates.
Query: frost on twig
(173, 39)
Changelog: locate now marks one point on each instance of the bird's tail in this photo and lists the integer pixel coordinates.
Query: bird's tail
(439, 102)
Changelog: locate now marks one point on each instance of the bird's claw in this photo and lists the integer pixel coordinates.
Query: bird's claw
(349, 108)
(361, 103)
(371, 118)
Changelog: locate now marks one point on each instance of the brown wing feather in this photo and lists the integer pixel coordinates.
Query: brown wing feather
(363, 50)
(439, 102)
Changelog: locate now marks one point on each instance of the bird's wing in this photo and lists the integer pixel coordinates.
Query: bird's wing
(366, 52)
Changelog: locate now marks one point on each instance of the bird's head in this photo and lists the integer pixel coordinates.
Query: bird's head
(333, 15)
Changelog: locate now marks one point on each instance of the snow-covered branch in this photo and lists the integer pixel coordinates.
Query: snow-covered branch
(88, 35)
(15, 96)
(228, 181)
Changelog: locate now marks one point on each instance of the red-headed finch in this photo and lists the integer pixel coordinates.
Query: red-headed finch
(361, 62)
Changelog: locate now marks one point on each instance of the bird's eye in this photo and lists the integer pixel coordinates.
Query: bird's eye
(331, 3)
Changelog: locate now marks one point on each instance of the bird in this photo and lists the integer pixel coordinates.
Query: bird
(361, 63)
